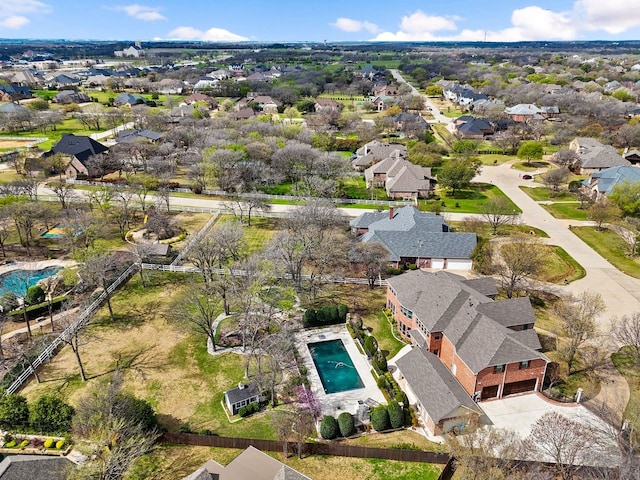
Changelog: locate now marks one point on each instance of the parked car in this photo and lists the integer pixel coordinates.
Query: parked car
(527, 177)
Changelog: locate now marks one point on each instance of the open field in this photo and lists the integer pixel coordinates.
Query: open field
(570, 211)
(627, 366)
(543, 194)
(469, 200)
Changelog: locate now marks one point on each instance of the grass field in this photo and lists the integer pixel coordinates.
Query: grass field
(611, 246)
(627, 366)
(560, 266)
(169, 462)
(570, 211)
(468, 201)
(542, 194)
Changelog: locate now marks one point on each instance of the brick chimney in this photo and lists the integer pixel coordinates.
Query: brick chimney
(390, 213)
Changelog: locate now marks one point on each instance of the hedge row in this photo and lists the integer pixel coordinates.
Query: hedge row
(384, 417)
(331, 428)
(328, 315)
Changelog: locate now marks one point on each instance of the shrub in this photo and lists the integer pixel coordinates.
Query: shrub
(380, 362)
(24, 443)
(309, 318)
(14, 411)
(242, 411)
(9, 301)
(10, 444)
(396, 417)
(59, 444)
(394, 271)
(50, 414)
(342, 312)
(370, 345)
(253, 407)
(401, 397)
(48, 443)
(185, 429)
(346, 424)
(351, 331)
(380, 418)
(383, 383)
(135, 410)
(35, 295)
(328, 427)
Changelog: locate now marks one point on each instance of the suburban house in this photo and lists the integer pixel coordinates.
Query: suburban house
(416, 238)
(250, 464)
(489, 347)
(323, 105)
(436, 394)
(400, 178)
(138, 135)
(600, 184)
(410, 123)
(13, 93)
(473, 127)
(525, 112)
(63, 81)
(202, 99)
(79, 149)
(593, 156)
(66, 97)
(632, 156)
(205, 83)
(376, 151)
(241, 396)
(13, 108)
(129, 99)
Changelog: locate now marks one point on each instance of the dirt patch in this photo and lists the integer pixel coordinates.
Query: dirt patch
(14, 143)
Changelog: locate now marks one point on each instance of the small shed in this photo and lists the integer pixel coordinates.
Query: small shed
(241, 396)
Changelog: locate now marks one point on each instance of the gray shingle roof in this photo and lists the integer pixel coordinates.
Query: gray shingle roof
(31, 467)
(438, 390)
(593, 154)
(412, 233)
(510, 312)
(237, 394)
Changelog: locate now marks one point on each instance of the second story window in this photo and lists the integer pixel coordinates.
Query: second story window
(524, 364)
(498, 369)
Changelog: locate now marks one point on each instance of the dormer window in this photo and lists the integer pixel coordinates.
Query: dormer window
(498, 369)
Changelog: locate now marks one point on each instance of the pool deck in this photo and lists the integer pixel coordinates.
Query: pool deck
(10, 267)
(336, 403)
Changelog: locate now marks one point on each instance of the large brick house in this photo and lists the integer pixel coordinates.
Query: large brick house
(489, 347)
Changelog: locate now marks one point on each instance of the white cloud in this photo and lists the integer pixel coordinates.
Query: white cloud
(211, 35)
(419, 26)
(142, 12)
(350, 25)
(13, 13)
(612, 16)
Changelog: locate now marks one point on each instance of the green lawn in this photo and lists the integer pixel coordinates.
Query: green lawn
(383, 331)
(611, 246)
(494, 158)
(529, 167)
(543, 194)
(560, 267)
(627, 366)
(570, 211)
(468, 201)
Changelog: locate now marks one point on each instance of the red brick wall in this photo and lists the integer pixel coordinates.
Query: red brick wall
(465, 376)
(514, 373)
(398, 316)
(447, 352)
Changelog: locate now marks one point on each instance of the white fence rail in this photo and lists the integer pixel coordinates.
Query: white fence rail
(68, 332)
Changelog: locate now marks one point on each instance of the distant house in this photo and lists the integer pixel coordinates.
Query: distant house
(129, 99)
(79, 149)
(244, 114)
(632, 156)
(13, 93)
(63, 80)
(201, 98)
(65, 97)
(489, 347)
(525, 112)
(12, 108)
(410, 123)
(473, 127)
(134, 51)
(376, 151)
(401, 178)
(251, 464)
(170, 86)
(601, 183)
(593, 156)
(31, 467)
(135, 135)
(205, 83)
(416, 238)
(241, 396)
(324, 105)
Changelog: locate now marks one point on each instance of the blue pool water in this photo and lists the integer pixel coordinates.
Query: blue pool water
(15, 281)
(336, 369)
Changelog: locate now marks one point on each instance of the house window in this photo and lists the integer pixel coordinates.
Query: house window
(524, 364)
(435, 352)
(436, 336)
(498, 369)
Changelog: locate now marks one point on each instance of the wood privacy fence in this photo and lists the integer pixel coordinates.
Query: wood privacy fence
(333, 449)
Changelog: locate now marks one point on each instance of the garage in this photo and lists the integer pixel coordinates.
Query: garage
(519, 387)
(489, 392)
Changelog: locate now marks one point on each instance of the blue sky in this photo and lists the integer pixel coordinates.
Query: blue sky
(317, 20)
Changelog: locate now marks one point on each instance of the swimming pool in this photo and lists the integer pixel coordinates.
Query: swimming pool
(335, 367)
(15, 281)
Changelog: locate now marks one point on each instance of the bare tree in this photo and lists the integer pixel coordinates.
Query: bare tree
(498, 211)
(199, 310)
(98, 271)
(282, 422)
(603, 212)
(517, 261)
(554, 178)
(73, 336)
(4, 230)
(626, 331)
(64, 191)
(372, 257)
(578, 317)
(565, 158)
(567, 443)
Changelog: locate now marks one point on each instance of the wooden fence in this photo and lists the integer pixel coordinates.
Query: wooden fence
(334, 449)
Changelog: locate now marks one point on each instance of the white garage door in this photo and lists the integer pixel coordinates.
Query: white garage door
(459, 264)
